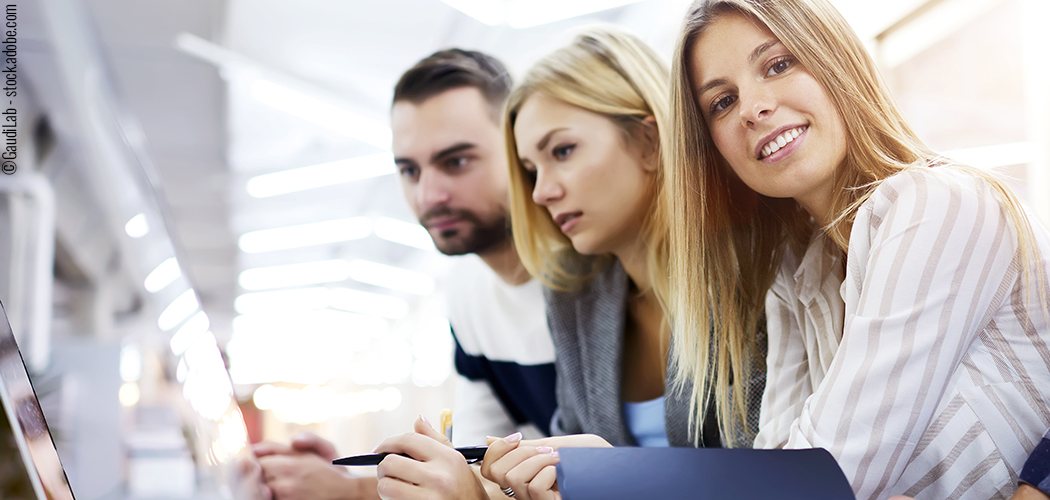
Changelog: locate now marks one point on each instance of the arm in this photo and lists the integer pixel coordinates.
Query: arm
(935, 259)
(785, 390)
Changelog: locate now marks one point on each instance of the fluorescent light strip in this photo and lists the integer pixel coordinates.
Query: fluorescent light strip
(188, 333)
(326, 114)
(405, 233)
(317, 233)
(288, 275)
(137, 226)
(163, 275)
(368, 303)
(178, 310)
(302, 299)
(325, 174)
(529, 13)
(391, 277)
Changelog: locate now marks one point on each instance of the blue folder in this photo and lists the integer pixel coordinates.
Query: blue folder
(666, 473)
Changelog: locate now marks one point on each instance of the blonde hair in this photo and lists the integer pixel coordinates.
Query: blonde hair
(727, 241)
(606, 71)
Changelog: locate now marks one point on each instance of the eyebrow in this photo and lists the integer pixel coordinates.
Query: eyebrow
(755, 54)
(459, 147)
(546, 138)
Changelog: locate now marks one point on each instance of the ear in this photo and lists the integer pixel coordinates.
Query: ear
(649, 142)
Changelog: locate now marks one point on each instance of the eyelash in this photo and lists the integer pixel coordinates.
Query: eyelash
(790, 61)
(560, 152)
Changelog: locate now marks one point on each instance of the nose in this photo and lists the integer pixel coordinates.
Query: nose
(547, 189)
(755, 105)
(432, 190)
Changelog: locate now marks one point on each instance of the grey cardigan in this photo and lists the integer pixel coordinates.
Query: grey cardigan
(588, 327)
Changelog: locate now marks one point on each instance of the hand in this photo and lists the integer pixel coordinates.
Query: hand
(307, 475)
(246, 480)
(528, 467)
(306, 442)
(436, 469)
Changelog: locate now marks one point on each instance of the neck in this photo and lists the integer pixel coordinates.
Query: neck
(635, 263)
(503, 260)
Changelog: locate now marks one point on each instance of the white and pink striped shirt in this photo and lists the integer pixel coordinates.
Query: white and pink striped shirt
(918, 364)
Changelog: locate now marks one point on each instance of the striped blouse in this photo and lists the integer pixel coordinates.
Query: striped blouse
(918, 363)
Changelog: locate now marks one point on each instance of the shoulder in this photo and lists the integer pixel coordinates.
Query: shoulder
(605, 289)
(933, 199)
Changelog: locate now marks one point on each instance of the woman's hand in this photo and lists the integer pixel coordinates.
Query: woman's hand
(528, 467)
(436, 469)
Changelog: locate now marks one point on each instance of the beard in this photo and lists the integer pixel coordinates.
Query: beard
(478, 236)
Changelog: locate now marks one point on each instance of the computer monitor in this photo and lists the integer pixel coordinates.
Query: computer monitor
(30, 464)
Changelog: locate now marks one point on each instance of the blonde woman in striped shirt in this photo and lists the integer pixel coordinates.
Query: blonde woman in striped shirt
(905, 296)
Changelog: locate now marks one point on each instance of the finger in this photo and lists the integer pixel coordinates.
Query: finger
(522, 475)
(423, 428)
(544, 485)
(417, 446)
(390, 488)
(500, 468)
(497, 449)
(271, 448)
(403, 469)
(308, 442)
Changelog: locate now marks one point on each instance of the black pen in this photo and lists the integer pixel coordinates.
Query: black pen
(473, 454)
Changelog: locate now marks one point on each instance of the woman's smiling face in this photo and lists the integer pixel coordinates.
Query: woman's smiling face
(771, 120)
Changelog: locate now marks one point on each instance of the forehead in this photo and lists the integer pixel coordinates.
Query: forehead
(727, 43)
(454, 116)
(540, 114)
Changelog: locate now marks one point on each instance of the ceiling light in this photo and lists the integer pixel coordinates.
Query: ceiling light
(287, 275)
(526, 14)
(322, 112)
(188, 333)
(137, 226)
(405, 233)
(391, 277)
(301, 299)
(368, 303)
(178, 310)
(164, 274)
(130, 363)
(317, 233)
(325, 174)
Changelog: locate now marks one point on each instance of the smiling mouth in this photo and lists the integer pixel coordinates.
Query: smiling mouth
(778, 142)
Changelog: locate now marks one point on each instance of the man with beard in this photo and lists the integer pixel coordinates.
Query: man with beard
(451, 159)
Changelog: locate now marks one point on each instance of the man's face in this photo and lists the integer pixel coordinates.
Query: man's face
(452, 164)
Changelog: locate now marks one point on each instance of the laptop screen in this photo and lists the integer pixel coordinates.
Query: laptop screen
(36, 473)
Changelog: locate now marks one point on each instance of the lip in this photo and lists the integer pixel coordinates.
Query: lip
(567, 220)
(442, 223)
(772, 135)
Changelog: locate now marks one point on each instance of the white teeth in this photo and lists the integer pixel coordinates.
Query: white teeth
(781, 140)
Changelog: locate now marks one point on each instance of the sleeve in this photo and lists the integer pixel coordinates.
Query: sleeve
(478, 414)
(787, 382)
(1036, 471)
(934, 256)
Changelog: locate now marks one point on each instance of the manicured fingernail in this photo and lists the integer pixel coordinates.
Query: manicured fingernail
(375, 449)
(545, 449)
(513, 438)
(554, 454)
(425, 421)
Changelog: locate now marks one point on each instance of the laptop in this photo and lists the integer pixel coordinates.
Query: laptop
(29, 464)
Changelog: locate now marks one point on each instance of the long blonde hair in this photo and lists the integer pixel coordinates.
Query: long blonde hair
(610, 72)
(727, 241)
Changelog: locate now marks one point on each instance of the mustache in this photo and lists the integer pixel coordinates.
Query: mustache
(458, 213)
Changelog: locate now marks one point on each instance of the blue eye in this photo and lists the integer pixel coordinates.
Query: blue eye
(723, 103)
(562, 152)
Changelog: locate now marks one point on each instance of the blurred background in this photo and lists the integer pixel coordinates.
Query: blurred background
(213, 176)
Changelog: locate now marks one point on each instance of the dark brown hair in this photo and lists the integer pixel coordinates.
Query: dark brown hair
(455, 68)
